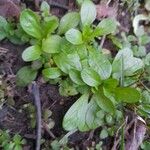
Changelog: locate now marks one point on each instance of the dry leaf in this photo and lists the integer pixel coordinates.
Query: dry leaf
(9, 8)
(105, 11)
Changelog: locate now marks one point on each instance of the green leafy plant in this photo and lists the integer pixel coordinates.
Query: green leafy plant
(12, 31)
(14, 143)
(67, 53)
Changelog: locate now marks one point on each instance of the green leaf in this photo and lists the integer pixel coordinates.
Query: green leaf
(90, 77)
(67, 88)
(91, 115)
(80, 1)
(62, 62)
(74, 60)
(104, 134)
(100, 64)
(106, 26)
(130, 64)
(75, 76)
(88, 12)
(73, 118)
(68, 60)
(52, 44)
(31, 53)
(51, 73)
(146, 97)
(147, 60)
(145, 108)
(25, 76)
(127, 94)
(45, 8)
(74, 36)
(49, 25)
(3, 24)
(144, 39)
(30, 23)
(68, 21)
(111, 83)
(103, 102)
(3, 35)
(140, 51)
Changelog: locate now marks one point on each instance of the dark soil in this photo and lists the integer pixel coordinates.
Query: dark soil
(17, 122)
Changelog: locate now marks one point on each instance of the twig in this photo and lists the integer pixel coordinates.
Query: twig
(116, 142)
(37, 101)
(91, 135)
(47, 130)
(145, 86)
(102, 41)
(55, 4)
(66, 136)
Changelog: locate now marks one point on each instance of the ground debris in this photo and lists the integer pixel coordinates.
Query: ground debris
(9, 8)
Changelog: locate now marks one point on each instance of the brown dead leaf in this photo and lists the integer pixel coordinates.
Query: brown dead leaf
(104, 10)
(136, 136)
(9, 8)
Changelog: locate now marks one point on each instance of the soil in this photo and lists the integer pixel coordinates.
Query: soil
(17, 121)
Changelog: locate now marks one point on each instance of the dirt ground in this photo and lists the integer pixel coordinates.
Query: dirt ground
(17, 121)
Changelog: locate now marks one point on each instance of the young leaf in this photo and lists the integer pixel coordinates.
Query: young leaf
(73, 118)
(74, 60)
(106, 26)
(67, 88)
(103, 102)
(75, 76)
(127, 94)
(100, 64)
(31, 53)
(130, 64)
(91, 115)
(66, 61)
(90, 77)
(62, 62)
(74, 36)
(70, 20)
(25, 76)
(52, 44)
(45, 8)
(104, 134)
(51, 73)
(111, 83)
(49, 25)
(88, 12)
(30, 23)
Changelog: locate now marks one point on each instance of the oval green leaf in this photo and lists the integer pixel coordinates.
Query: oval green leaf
(52, 44)
(90, 77)
(68, 21)
(30, 23)
(31, 53)
(88, 12)
(73, 118)
(25, 76)
(74, 36)
(75, 76)
(103, 102)
(106, 26)
(127, 94)
(51, 73)
(100, 64)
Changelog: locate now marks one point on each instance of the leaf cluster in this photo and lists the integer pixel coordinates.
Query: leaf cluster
(14, 143)
(67, 52)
